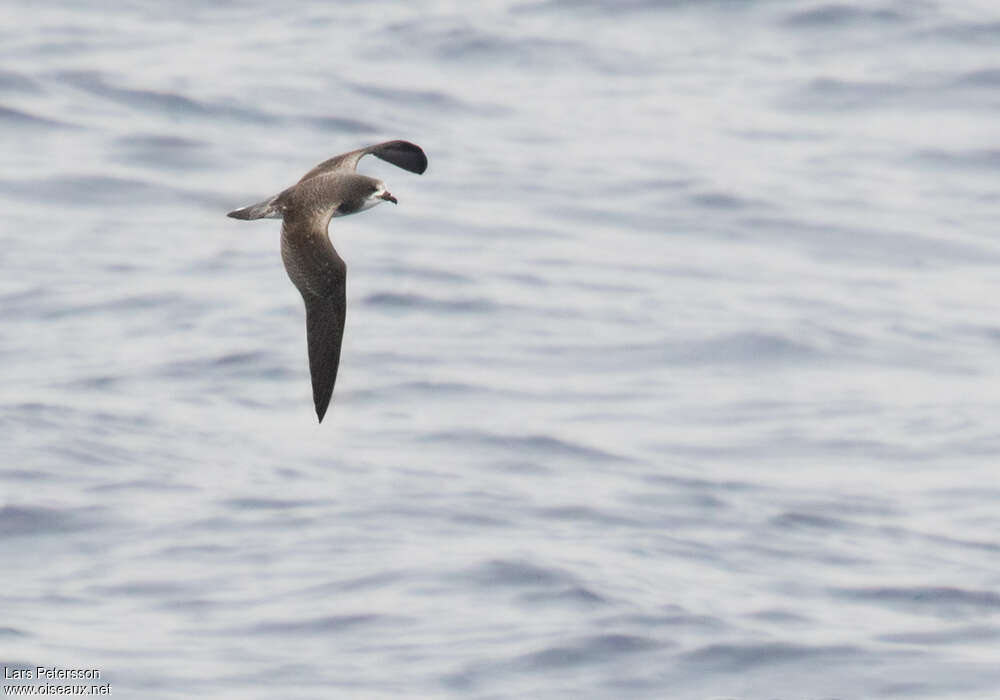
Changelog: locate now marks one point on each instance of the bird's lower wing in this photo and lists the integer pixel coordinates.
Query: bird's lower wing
(324, 332)
(320, 275)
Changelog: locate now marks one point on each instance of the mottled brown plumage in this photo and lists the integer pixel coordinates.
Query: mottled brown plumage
(332, 188)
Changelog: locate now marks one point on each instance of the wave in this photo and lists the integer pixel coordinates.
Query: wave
(323, 625)
(94, 191)
(11, 81)
(522, 444)
(434, 100)
(600, 648)
(895, 248)
(574, 595)
(268, 503)
(161, 102)
(259, 365)
(517, 573)
(810, 521)
(741, 657)
(162, 150)
(341, 125)
(586, 514)
(17, 118)
(974, 159)
(722, 200)
(827, 16)
(178, 105)
(18, 521)
(424, 389)
(395, 300)
(968, 90)
(943, 601)
(987, 32)
(834, 94)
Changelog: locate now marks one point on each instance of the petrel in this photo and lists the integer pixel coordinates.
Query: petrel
(332, 188)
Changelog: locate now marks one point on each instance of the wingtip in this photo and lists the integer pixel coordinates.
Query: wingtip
(268, 209)
(243, 214)
(420, 166)
(320, 413)
(403, 154)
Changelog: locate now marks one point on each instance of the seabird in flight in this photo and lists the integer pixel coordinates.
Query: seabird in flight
(332, 188)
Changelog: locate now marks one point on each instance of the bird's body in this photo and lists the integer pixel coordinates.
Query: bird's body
(331, 189)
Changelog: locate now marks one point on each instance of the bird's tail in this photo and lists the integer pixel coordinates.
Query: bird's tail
(268, 209)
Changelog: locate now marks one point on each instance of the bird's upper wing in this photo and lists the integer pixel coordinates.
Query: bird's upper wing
(320, 275)
(402, 154)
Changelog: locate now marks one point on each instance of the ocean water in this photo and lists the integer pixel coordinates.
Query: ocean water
(676, 375)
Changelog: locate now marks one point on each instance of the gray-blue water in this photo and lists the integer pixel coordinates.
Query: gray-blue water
(676, 375)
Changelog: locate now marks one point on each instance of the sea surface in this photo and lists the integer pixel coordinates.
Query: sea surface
(676, 375)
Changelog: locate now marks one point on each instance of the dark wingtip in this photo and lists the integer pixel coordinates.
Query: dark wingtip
(243, 214)
(402, 154)
(261, 210)
(321, 410)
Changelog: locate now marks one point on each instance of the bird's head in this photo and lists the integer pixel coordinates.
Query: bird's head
(379, 193)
